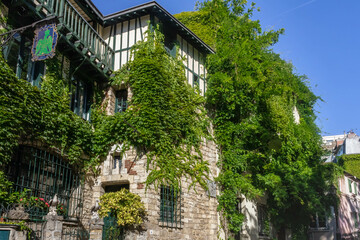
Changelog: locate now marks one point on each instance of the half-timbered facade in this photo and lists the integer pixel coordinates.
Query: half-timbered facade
(90, 48)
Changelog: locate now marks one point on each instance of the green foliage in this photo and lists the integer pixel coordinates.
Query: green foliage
(202, 24)
(251, 96)
(166, 118)
(126, 206)
(5, 190)
(351, 164)
(40, 115)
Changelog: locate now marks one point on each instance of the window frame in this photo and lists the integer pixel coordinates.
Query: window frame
(317, 222)
(350, 185)
(170, 207)
(121, 99)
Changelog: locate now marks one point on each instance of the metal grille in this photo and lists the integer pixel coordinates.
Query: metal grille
(46, 174)
(112, 230)
(121, 103)
(170, 207)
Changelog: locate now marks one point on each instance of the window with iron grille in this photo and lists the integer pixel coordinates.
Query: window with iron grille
(170, 207)
(45, 174)
(121, 102)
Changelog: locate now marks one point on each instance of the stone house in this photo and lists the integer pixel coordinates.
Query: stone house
(90, 48)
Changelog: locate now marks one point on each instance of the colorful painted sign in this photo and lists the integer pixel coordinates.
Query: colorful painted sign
(44, 42)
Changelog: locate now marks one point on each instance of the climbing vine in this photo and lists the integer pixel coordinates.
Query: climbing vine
(351, 164)
(166, 120)
(43, 115)
(252, 97)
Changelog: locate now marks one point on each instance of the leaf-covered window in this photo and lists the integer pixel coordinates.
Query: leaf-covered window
(121, 102)
(196, 81)
(170, 206)
(81, 98)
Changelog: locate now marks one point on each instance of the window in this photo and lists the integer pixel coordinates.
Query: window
(81, 98)
(117, 162)
(350, 186)
(121, 101)
(355, 188)
(37, 71)
(319, 221)
(170, 207)
(116, 188)
(355, 219)
(263, 220)
(18, 56)
(45, 174)
(196, 80)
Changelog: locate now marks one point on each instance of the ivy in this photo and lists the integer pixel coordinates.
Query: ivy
(251, 96)
(166, 119)
(40, 115)
(351, 164)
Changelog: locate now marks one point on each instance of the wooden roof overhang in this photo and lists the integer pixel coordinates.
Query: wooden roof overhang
(147, 8)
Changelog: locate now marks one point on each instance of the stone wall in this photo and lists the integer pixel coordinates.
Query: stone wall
(199, 218)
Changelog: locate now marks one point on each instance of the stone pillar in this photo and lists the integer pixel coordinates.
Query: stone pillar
(53, 227)
(96, 228)
(53, 223)
(14, 215)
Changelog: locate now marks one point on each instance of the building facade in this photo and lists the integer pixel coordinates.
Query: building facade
(90, 48)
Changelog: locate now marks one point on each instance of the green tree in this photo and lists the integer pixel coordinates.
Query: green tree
(252, 94)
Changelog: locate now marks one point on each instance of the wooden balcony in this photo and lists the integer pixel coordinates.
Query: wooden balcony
(79, 33)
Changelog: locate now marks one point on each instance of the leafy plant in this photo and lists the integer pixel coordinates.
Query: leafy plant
(125, 206)
(351, 163)
(5, 189)
(251, 96)
(166, 119)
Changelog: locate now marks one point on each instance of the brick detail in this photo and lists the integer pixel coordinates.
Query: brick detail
(129, 165)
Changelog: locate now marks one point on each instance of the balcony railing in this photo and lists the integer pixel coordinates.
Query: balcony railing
(85, 36)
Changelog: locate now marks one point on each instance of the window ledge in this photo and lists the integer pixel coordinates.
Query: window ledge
(165, 225)
(319, 229)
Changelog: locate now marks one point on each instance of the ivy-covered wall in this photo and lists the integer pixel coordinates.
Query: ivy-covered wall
(251, 97)
(351, 164)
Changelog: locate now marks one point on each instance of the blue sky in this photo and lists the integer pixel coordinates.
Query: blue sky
(321, 40)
